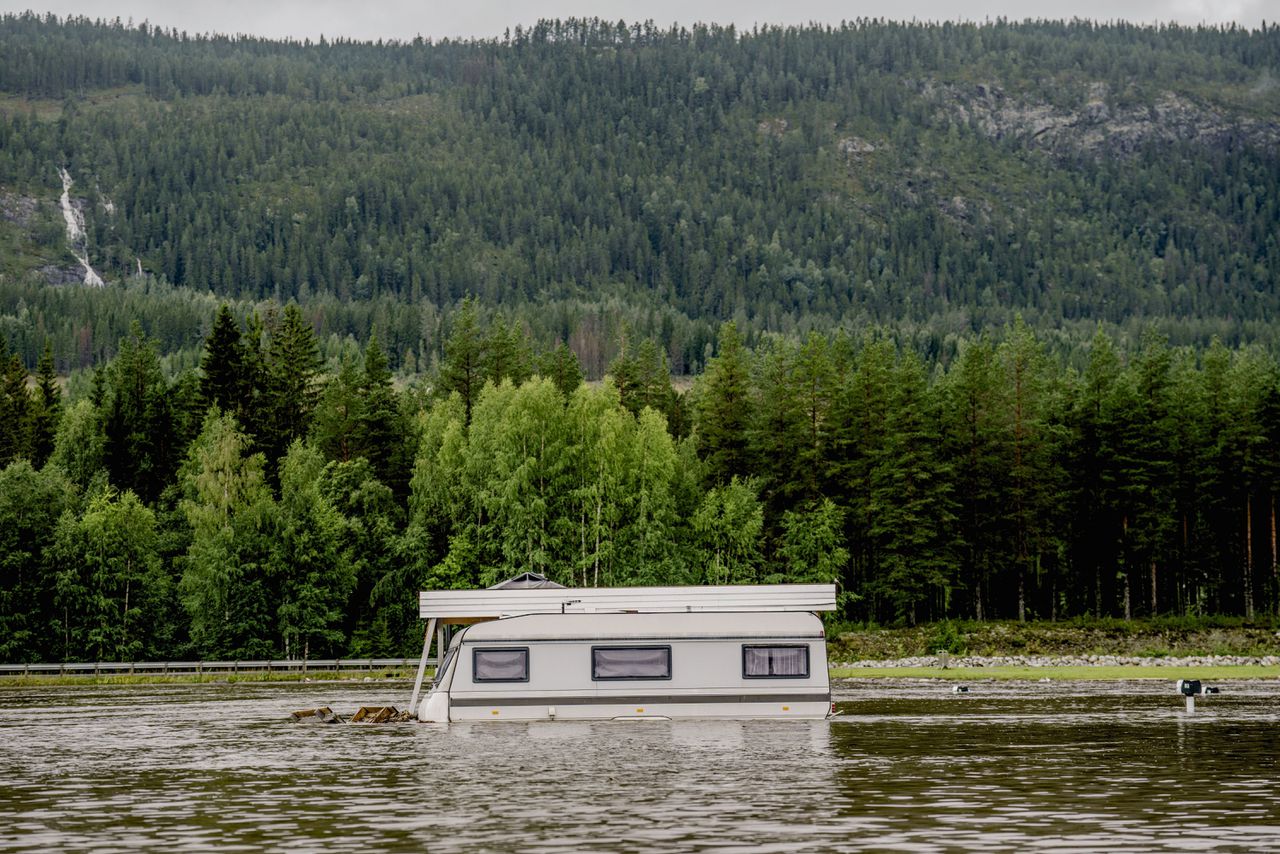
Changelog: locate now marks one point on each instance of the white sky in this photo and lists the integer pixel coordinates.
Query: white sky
(404, 19)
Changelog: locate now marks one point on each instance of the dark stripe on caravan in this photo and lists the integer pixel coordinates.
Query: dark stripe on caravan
(649, 699)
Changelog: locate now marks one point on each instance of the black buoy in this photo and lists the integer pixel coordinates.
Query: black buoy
(959, 689)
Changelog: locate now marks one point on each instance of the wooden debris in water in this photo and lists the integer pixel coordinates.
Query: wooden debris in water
(363, 715)
(324, 715)
(379, 715)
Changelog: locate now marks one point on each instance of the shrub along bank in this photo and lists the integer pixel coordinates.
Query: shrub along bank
(1155, 638)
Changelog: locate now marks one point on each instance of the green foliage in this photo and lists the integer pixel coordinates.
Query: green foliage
(31, 503)
(728, 526)
(230, 584)
(315, 573)
(1003, 484)
(112, 593)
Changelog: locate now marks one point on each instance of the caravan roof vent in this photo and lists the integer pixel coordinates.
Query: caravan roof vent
(526, 581)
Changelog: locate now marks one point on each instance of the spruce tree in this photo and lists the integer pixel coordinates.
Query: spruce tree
(724, 409)
(223, 380)
(48, 408)
(15, 409)
(463, 370)
(293, 366)
(381, 426)
(561, 366)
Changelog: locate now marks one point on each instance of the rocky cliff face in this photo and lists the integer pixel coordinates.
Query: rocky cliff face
(1097, 126)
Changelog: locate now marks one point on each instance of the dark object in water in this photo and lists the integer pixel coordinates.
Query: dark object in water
(959, 689)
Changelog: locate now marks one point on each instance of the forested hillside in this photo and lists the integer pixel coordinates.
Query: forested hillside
(587, 176)
(982, 323)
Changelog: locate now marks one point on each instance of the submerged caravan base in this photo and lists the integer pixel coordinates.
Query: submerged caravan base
(554, 653)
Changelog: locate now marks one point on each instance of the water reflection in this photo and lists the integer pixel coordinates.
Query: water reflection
(908, 766)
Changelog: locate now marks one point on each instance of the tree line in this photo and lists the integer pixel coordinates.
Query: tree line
(270, 504)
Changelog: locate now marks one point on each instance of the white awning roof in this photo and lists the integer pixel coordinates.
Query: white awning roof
(469, 606)
(611, 627)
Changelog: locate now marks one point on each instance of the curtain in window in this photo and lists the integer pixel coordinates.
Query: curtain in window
(502, 665)
(631, 663)
(776, 661)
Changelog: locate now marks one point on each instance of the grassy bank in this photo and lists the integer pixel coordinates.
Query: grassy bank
(210, 678)
(1034, 674)
(1155, 638)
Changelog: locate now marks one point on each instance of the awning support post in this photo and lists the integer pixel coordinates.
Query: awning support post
(422, 666)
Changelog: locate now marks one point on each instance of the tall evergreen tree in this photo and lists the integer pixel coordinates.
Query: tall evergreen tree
(140, 450)
(223, 380)
(724, 409)
(47, 410)
(292, 372)
(561, 366)
(463, 370)
(15, 409)
(382, 428)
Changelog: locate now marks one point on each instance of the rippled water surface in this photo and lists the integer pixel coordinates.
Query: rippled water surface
(908, 766)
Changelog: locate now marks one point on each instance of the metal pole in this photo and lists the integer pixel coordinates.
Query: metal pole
(1191, 704)
(422, 665)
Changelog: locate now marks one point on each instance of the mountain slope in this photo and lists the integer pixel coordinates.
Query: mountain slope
(942, 176)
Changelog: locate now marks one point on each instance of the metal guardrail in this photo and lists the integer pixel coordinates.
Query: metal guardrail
(99, 668)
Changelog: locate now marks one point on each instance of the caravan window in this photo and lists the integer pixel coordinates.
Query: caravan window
(500, 665)
(630, 662)
(775, 662)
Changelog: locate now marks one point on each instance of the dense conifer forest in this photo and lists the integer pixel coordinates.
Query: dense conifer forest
(586, 175)
(262, 506)
(981, 323)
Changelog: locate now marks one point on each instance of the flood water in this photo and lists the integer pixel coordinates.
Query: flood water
(908, 766)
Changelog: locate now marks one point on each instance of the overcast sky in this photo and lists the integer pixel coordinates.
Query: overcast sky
(404, 19)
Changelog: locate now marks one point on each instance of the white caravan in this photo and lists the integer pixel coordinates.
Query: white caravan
(554, 653)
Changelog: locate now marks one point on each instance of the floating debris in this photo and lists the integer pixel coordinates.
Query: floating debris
(323, 715)
(379, 715)
(363, 715)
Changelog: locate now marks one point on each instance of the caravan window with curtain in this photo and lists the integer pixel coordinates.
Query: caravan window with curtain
(500, 665)
(630, 662)
(775, 662)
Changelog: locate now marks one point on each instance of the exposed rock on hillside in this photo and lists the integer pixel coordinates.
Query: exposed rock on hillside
(1097, 126)
(19, 210)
